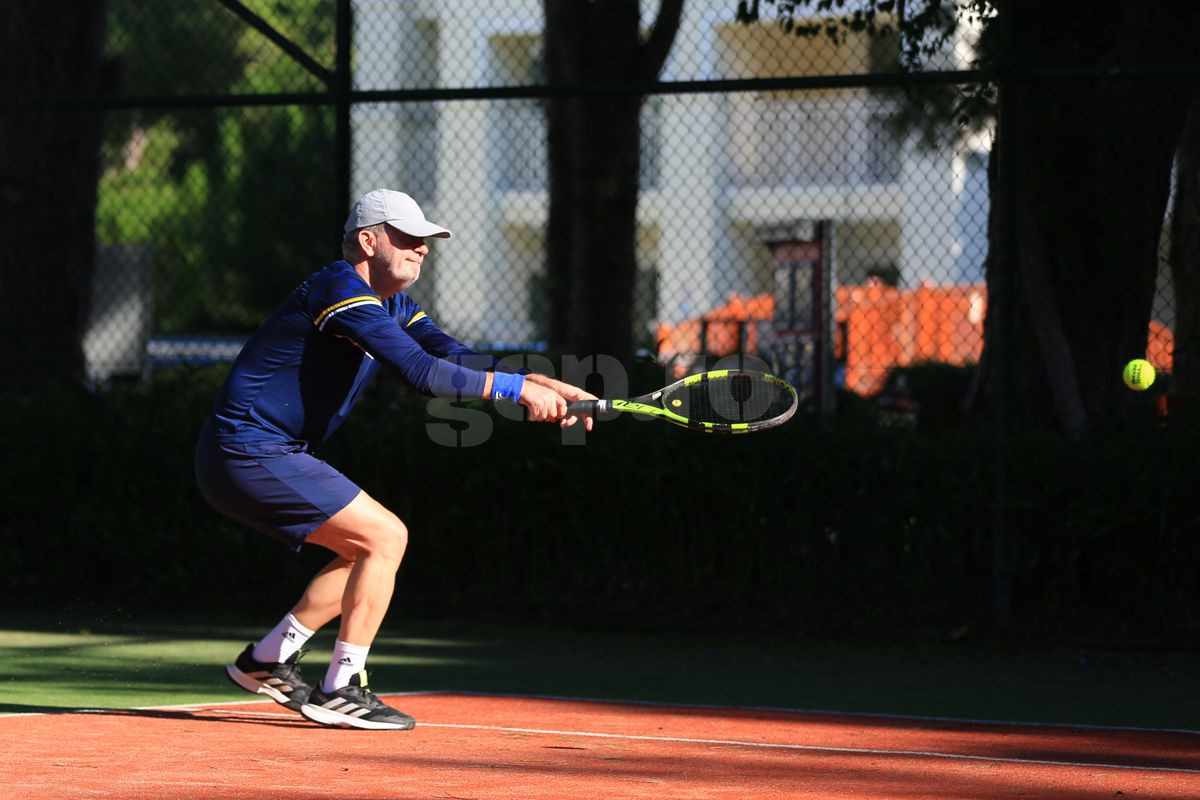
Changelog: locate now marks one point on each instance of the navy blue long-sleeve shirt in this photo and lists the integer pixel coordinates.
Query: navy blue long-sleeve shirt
(302, 371)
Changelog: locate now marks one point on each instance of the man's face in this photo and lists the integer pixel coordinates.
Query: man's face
(398, 259)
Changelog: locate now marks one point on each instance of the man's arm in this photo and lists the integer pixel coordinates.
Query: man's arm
(437, 342)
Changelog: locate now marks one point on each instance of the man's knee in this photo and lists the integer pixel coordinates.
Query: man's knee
(364, 528)
(388, 539)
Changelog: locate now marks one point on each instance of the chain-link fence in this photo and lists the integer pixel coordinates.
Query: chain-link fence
(866, 202)
(799, 197)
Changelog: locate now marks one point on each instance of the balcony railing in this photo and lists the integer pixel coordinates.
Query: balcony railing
(838, 141)
(519, 142)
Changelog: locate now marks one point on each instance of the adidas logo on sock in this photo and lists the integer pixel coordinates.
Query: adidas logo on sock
(346, 660)
(289, 635)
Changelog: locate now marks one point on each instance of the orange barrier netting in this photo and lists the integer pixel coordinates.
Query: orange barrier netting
(878, 328)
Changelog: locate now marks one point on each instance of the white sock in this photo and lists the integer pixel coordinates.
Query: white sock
(346, 661)
(284, 639)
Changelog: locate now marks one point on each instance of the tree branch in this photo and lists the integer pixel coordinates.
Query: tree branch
(657, 46)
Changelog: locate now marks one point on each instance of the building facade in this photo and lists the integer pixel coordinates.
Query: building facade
(722, 174)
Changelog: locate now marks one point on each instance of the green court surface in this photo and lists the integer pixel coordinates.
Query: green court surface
(49, 664)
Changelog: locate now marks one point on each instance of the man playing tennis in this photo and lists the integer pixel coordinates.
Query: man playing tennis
(289, 389)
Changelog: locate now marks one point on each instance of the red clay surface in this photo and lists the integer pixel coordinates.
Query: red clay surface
(468, 746)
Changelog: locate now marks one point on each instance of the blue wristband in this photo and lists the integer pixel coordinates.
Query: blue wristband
(506, 386)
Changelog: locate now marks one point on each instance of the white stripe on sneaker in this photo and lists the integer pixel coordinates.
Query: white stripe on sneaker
(324, 716)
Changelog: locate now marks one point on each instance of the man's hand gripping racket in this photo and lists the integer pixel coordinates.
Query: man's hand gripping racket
(722, 401)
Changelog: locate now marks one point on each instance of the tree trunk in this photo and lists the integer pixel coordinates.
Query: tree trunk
(1090, 177)
(1185, 258)
(594, 152)
(49, 163)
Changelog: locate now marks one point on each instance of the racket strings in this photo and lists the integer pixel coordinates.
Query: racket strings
(737, 399)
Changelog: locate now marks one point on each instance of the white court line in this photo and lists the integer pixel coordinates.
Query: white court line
(285, 715)
(198, 707)
(825, 712)
(210, 705)
(816, 748)
(218, 707)
(1074, 726)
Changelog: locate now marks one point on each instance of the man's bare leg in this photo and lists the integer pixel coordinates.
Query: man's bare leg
(322, 599)
(370, 541)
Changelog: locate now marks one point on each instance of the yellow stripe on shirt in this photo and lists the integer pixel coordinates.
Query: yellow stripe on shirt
(320, 320)
(417, 316)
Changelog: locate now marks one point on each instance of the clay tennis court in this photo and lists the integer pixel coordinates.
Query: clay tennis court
(486, 746)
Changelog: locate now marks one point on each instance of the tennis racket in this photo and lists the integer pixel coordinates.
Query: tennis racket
(722, 401)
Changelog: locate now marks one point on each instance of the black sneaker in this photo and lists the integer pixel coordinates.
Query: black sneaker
(354, 706)
(281, 682)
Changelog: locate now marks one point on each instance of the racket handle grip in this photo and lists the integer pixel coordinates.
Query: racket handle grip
(589, 407)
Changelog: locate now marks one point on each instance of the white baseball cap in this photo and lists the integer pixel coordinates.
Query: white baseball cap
(396, 209)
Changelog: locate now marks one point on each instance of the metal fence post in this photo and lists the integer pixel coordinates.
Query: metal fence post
(341, 88)
(1004, 262)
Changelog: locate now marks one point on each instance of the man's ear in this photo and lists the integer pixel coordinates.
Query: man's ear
(367, 242)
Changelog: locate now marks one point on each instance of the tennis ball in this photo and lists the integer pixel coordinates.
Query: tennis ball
(1139, 374)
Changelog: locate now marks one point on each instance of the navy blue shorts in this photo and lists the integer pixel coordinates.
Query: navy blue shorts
(275, 488)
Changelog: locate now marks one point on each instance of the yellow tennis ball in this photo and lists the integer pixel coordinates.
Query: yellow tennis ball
(1139, 374)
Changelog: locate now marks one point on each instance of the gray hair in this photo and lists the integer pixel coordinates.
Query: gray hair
(350, 249)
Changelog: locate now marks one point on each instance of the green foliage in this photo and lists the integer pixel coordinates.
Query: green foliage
(234, 203)
(105, 509)
(838, 525)
(903, 38)
(924, 27)
(936, 391)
